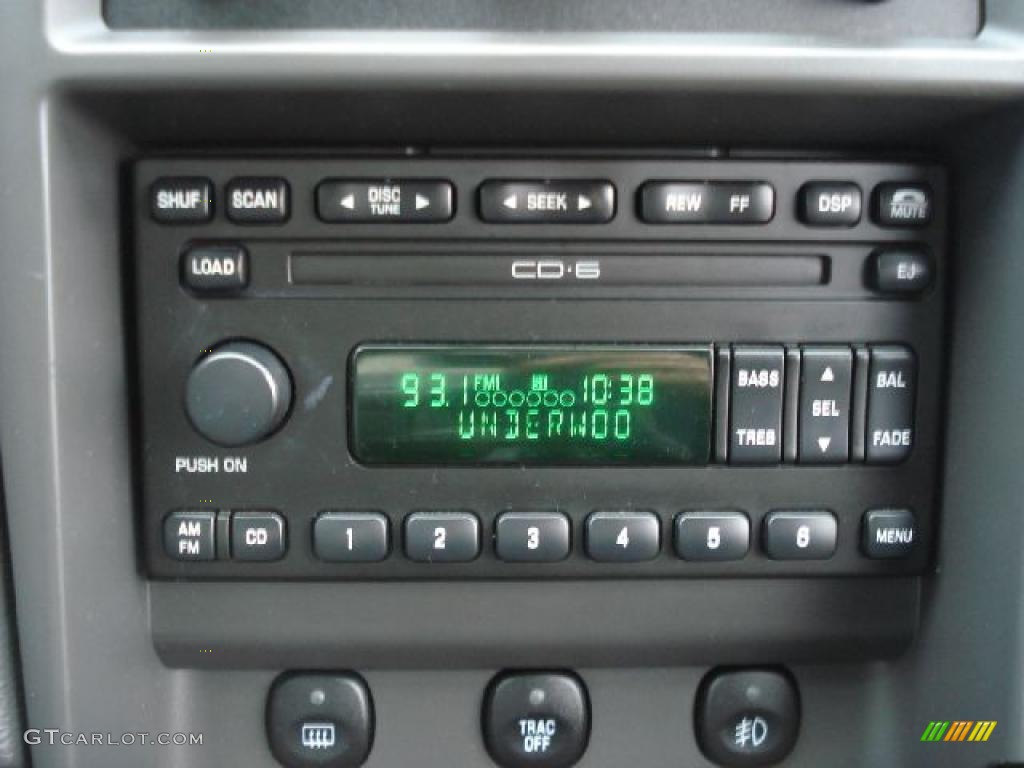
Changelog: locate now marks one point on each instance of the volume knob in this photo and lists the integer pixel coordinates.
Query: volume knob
(238, 394)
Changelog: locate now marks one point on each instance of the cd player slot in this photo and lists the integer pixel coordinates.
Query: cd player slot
(618, 270)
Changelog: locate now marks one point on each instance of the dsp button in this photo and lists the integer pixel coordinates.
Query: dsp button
(747, 717)
(707, 202)
(826, 382)
(401, 201)
(902, 271)
(215, 269)
(257, 536)
(892, 380)
(257, 200)
(830, 204)
(539, 720)
(320, 720)
(181, 200)
(547, 202)
(756, 403)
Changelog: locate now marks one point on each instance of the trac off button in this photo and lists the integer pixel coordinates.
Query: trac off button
(536, 719)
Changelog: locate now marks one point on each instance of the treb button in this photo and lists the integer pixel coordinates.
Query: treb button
(369, 201)
(568, 201)
(707, 202)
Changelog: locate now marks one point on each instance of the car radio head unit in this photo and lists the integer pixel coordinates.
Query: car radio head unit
(444, 367)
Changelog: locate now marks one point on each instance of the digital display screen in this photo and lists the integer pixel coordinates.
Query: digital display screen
(535, 405)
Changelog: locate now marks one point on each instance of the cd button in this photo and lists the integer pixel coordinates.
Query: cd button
(403, 201)
(623, 537)
(442, 537)
(712, 536)
(547, 202)
(537, 537)
(257, 536)
(351, 537)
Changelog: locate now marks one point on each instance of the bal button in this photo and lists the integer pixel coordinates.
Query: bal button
(540, 719)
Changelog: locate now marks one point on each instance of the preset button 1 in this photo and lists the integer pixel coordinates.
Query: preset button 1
(351, 537)
(560, 201)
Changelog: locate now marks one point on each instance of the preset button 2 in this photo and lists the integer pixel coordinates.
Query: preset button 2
(442, 537)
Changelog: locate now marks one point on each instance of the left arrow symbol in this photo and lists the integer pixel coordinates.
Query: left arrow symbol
(349, 202)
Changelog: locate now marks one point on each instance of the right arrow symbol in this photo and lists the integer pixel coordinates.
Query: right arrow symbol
(828, 375)
(422, 202)
(583, 203)
(824, 443)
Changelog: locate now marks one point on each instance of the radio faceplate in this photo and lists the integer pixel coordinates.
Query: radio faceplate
(817, 285)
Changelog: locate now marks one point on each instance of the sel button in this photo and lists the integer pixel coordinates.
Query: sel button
(825, 384)
(257, 536)
(212, 269)
(540, 720)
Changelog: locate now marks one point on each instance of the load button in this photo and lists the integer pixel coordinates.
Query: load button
(215, 269)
